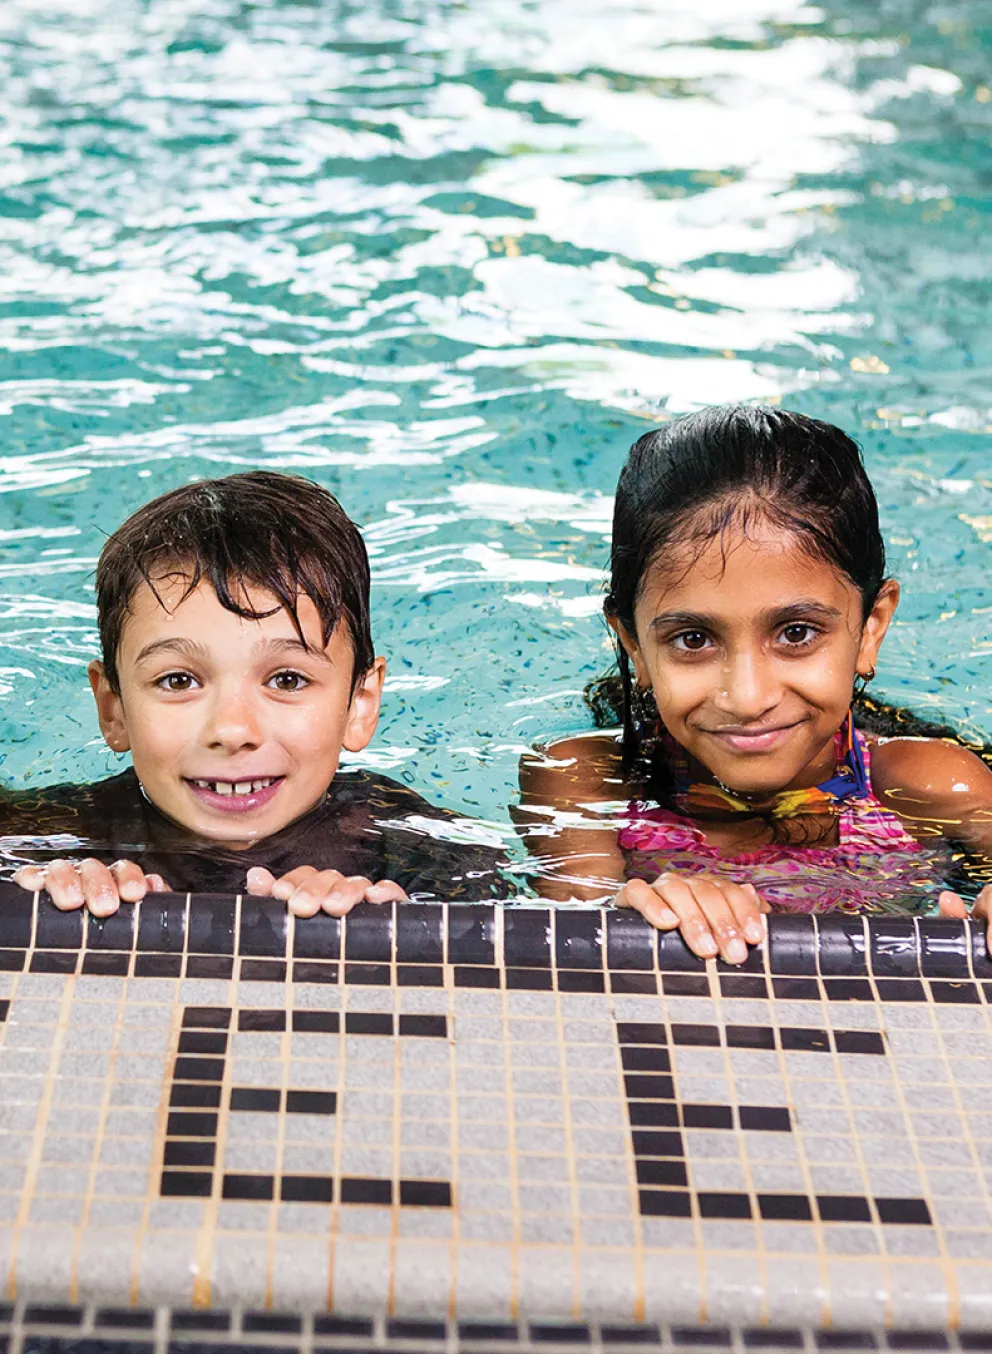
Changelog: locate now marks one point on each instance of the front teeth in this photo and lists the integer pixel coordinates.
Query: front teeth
(228, 787)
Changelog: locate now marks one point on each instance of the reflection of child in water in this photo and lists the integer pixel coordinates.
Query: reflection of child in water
(237, 665)
(749, 598)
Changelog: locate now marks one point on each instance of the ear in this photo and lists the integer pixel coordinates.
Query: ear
(363, 713)
(633, 649)
(875, 627)
(109, 709)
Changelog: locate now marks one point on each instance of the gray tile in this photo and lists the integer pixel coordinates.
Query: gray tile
(839, 1239)
(545, 1229)
(669, 1234)
(718, 1175)
(364, 1221)
(474, 1225)
(549, 1168)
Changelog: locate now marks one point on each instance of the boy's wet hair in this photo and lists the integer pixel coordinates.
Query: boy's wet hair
(733, 466)
(260, 530)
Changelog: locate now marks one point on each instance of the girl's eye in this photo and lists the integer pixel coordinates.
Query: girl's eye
(691, 641)
(798, 633)
(288, 681)
(177, 681)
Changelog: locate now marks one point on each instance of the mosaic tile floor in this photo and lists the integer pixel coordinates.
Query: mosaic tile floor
(475, 1114)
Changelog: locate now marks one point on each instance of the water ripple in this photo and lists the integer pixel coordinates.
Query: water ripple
(450, 259)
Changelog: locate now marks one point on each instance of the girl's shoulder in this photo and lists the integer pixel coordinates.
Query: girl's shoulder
(928, 771)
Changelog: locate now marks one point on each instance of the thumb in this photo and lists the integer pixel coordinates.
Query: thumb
(260, 881)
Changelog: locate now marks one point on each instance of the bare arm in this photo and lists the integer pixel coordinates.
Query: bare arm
(940, 790)
(567, 813)
(937, 789)
(566, 792)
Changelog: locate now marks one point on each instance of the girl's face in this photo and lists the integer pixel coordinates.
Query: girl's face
(751, 650)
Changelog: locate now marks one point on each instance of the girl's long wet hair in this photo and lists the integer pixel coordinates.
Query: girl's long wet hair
(728, 467)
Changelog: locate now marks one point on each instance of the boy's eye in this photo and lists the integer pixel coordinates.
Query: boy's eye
(288, 681)
(177, 681)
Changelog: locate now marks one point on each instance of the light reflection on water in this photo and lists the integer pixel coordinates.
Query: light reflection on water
(450, 259)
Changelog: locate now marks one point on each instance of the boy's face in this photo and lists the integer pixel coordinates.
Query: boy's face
(235, 729)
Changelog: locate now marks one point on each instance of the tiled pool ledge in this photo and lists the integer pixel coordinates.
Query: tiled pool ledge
(554, 1123)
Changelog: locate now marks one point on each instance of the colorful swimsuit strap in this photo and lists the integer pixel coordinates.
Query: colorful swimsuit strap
(849, 781)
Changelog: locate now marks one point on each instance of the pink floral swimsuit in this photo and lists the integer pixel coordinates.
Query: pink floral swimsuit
(876, 864)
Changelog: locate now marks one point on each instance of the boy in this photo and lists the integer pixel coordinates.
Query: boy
(237, 665)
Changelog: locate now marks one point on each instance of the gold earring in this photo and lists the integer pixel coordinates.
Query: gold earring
(862, 680)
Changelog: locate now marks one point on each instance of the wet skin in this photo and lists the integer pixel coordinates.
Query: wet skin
(235, 728)
(750, 648)
(751, 651)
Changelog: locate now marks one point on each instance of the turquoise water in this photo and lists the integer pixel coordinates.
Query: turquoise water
(450, 259)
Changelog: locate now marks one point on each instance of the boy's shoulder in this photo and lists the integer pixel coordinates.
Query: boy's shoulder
(357, 786)
(69, 805)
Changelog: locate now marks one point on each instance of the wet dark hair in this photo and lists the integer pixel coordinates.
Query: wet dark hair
(281, 533)
(731, 466)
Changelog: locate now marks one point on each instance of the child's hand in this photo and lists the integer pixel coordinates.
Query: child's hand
(90, 883)
(714, 915)
(308, 891)
(953, 905)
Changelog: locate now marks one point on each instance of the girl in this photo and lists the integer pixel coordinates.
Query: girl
(749, 599)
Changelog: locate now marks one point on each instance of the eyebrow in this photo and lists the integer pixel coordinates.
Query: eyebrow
(264, 648)
(804, 609)
(176, 645)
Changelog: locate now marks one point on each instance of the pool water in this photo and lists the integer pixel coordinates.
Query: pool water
(450, 259)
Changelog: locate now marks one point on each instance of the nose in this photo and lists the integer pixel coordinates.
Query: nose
(750, 686)
(232, 723)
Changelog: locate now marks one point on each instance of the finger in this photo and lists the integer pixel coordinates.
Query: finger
(638, 894)
(63, 885)
(286, 885)
(260, 881)
(983, 909)
(99, 888)
(680, 896)
(714, 903)
(983, 903)
(746, 907)
(345, 893)
(130, 880)
(386, 891)
(31, 877)
(156, 884)
(952, 905)
(306, 889)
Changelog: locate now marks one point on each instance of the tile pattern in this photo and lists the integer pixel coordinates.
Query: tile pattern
(65, 1329)
(501, 1114)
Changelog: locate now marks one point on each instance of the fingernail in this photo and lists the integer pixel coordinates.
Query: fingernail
(667, 917)
(736, 952)
(754, 930)
(302, 901)
(706, 946)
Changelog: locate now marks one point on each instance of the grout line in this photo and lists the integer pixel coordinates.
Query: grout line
(40, 1130)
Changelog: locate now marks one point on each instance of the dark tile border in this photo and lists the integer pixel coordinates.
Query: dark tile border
(146, 1330)
(527, 947)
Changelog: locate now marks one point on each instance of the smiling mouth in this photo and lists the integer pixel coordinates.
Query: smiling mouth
(235, 796)
(236, 787)
(755, 738)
